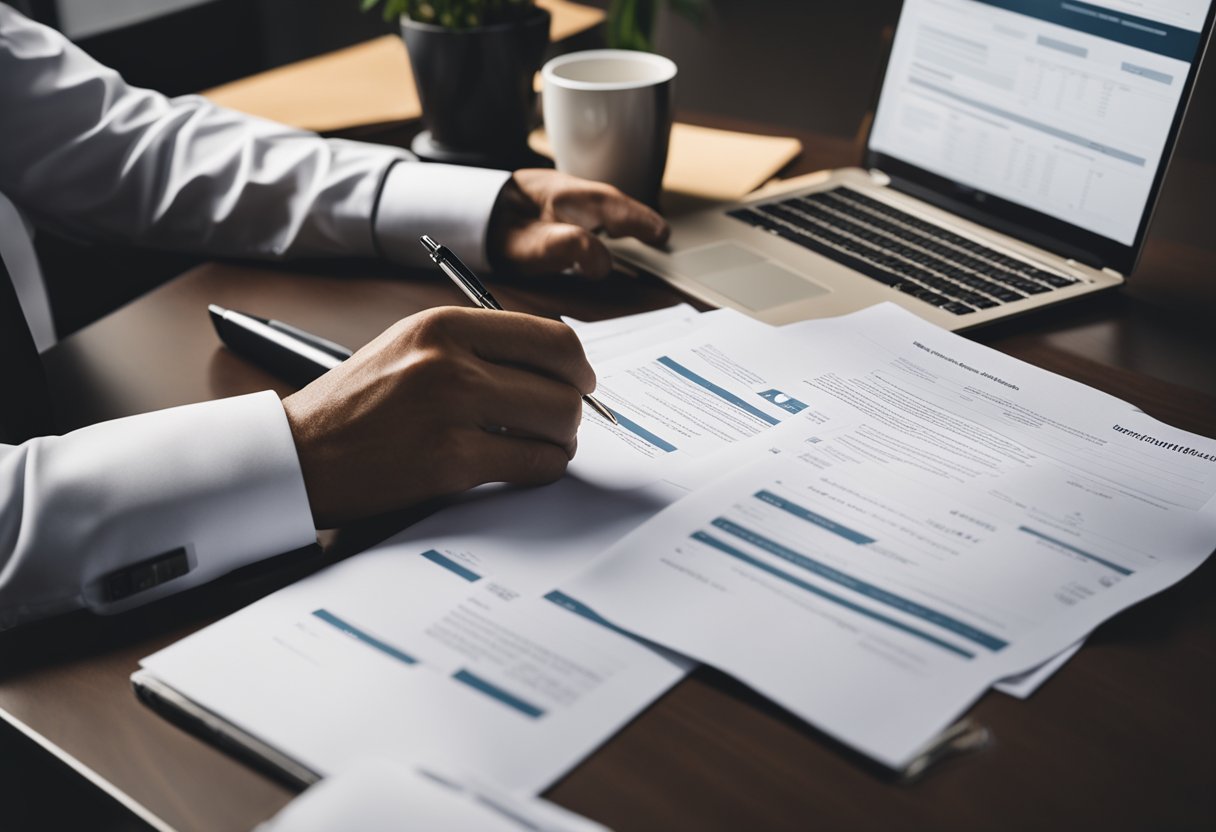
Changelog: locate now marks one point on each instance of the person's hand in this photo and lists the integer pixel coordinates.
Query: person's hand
(546, 222)
(440, 402)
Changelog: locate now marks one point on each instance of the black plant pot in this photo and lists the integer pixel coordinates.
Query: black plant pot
(475, 86)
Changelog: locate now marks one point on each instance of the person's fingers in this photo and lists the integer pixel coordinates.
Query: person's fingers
(517, 460)
(591, 205)
(521, 404)
(548, 347)
(542, 247)
(621, 216)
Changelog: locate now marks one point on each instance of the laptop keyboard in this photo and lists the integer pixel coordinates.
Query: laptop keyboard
(901, 251)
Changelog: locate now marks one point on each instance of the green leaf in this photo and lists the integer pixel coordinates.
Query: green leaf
(631, 24)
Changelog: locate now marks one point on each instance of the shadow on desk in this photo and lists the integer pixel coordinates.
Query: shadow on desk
(77, 636)
(38, 791)
(80, 635)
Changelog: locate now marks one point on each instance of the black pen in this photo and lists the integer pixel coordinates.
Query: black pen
(476, 291)
(282, 349)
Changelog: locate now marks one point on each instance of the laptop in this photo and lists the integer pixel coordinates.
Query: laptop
(1016, 154)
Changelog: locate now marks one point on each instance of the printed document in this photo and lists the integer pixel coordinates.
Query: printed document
(385, 796)
(684, 401)
(448, 644)
(950, 518)
(605, 340)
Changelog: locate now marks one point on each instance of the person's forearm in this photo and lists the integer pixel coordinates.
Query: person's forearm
(84, 152)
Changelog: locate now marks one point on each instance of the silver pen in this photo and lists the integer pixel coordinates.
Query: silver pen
(475, 291)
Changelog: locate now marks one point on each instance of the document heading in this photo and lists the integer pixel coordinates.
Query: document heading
(958, 363)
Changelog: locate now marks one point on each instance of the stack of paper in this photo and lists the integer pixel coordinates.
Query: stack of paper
(868, 519)
(924, 519)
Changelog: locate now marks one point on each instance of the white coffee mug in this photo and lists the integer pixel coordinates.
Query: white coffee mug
(608, 117)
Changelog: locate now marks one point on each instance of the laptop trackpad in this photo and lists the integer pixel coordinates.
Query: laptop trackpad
(744, 276)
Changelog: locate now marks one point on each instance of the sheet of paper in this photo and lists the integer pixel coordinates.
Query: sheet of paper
(369, 83)
(960, 517)
(604, 340)
(1022, 685)
(630, 323)
(377, 795)
(684, 400)
(445, 644)
(710, 163)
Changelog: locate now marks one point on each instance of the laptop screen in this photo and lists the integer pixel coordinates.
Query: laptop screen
(1047, 113)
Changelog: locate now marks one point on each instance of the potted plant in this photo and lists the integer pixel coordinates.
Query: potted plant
(473, 63)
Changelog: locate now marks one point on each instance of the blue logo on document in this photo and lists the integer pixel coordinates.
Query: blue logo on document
(783, 401)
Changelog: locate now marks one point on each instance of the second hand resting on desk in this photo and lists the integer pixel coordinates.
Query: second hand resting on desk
(301, 357)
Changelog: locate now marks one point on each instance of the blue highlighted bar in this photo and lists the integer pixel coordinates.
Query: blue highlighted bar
(451, 565)
(720, 392)
(365, 637)
(634, 428)
(1122, 570)
(495, 692)
(898, 602)
(785, 576)
(813, 518)
(582, 610)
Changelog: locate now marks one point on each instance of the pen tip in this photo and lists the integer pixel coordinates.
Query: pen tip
(216, 309)
(429, 244)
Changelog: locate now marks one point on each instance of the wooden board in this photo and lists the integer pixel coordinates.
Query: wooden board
(370, 83)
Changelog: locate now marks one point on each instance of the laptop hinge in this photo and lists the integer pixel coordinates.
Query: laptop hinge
(884, 180)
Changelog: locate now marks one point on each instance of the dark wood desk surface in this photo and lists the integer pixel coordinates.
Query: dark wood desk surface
(1122, 738)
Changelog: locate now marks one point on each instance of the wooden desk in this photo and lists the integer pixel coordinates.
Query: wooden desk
(1122, 738)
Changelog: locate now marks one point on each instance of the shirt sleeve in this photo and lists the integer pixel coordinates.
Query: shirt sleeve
(452, 204)
(94, 157)
(124, 512)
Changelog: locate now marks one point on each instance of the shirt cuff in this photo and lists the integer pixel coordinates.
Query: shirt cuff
(450, 203)
(222, 480)
(127, 511)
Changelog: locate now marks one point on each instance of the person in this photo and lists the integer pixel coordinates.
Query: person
(124, 512)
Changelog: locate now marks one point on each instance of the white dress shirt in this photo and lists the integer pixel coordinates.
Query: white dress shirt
(212, 486)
